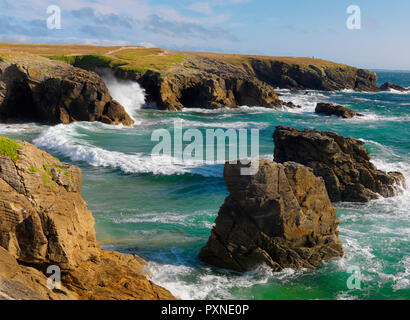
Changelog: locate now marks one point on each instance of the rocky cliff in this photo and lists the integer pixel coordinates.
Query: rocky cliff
(200, 82)
(174, 80)
(44, 222)
(34, 88)
(281, 217)
(316, 76)
(343, 163)
(213, 81)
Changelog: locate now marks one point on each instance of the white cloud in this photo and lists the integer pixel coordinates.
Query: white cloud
(201, 7)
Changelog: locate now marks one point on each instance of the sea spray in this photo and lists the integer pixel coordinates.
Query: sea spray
(128, 93)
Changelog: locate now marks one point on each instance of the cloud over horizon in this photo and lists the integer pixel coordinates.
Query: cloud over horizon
(279, 27)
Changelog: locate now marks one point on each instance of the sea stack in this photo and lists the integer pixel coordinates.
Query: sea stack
(343, 163)
(281, 217)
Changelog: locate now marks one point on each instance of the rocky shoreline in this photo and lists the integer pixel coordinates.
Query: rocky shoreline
(45, 222)
(282, 217)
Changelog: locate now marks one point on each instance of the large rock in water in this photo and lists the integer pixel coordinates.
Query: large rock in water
(343, 163)
(281, 217)
(38, 89)
(44, 221)
(387, 86)
(340, 111)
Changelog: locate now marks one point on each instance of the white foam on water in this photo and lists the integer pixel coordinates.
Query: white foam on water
(397, 91)
(373, 117)
(307, 100)
(224, 125)
(227, 112)
(66, 140)
(128, 93)
(386, 219)
(210, 285)
(166, 218)
(20, 127)
(402, 279)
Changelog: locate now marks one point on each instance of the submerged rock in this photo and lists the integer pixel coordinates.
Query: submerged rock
(331, 109)
(38, 89)
(281, 217)
(44, 221)
(343, 163)
(387, 86)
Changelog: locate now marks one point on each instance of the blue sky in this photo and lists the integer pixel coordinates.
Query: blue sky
(277, 27)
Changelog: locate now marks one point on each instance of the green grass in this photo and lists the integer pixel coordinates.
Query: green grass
(136, 60)
(33, 170)
(151, 59)
(243, 59)
(4, 59)
(47, 167)
(9, 148)
(48, 181)
(89, 61)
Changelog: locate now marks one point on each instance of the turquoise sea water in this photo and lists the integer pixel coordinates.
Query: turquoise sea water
(164, 211)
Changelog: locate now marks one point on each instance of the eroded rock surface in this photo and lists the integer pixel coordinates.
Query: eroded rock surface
(38, 89)
(204, 83)
(343, 163)
(281, 217)
(44, 221)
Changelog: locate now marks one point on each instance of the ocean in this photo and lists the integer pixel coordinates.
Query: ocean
(165, 211)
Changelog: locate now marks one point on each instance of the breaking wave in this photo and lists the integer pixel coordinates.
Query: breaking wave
(128, 93)
(65, 140)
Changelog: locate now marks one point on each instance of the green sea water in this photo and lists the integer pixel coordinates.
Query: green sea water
(165, 211)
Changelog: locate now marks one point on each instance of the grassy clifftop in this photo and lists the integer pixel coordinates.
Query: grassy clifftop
(176, 79)
(142, 59)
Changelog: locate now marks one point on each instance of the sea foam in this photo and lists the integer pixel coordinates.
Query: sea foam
(128, 93)
(67, 141)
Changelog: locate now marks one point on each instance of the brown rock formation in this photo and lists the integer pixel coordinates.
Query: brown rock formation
(340, 111)
(343, 163)
(213, 85)
(317, 77)
(38, 89)
(388, 86)
(19, 282)
(281, 217)
(207, 81)
(44, 221)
